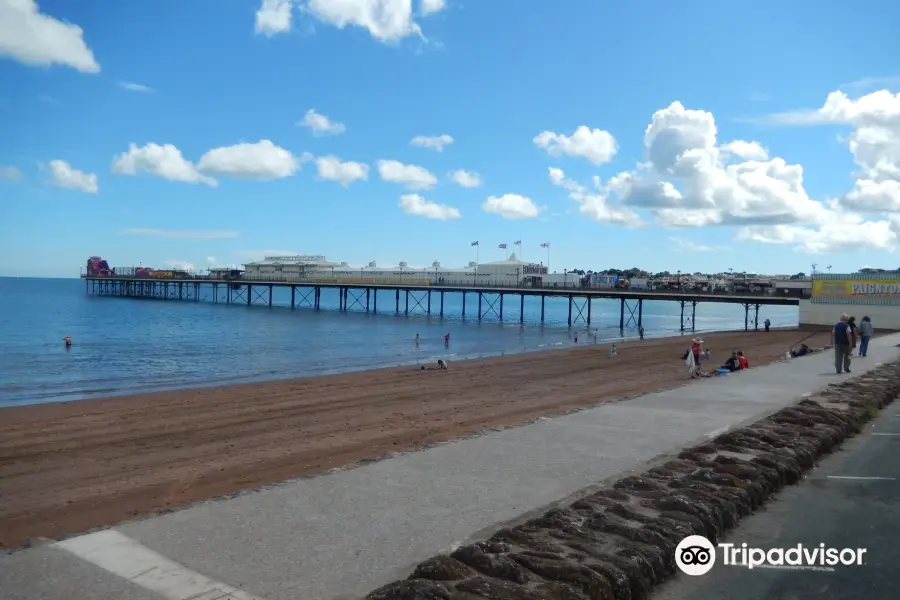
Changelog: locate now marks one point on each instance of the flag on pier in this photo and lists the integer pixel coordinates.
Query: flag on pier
(502, 246)
(545, 245)
(474, 243)
(517, 243)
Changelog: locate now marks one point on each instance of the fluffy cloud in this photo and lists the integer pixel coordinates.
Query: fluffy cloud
(435, 142)
(135, 87)
(511, 206)
(63, 175)
(212, 260)
(595, 145)
(466, 179)
(319, 124)
(416, 205)
(33, 38)
(429, 7)
(385, 20)
(681, 147)
(163, 161)
(180, 264)
(331, 168)
(10, 173)
(690, 246)
(594, 204)
(262, 161)
(745, 150)
(274, 16)
(413, 177)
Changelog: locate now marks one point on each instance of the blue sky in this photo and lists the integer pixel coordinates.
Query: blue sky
(750, 164)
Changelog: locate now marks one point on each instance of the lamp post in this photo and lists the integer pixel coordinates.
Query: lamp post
(679, 280)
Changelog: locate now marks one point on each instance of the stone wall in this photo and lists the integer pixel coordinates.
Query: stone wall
(619, 542)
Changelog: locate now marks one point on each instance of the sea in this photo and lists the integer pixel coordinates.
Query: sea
(128, 346)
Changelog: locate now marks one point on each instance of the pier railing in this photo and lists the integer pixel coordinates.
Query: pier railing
(416, 280)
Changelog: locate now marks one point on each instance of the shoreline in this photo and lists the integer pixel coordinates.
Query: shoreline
(254, 380)
(73, 466)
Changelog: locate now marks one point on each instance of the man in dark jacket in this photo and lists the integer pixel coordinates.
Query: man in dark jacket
(842, 338)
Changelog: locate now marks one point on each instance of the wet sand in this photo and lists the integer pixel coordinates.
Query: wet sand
(69, 467)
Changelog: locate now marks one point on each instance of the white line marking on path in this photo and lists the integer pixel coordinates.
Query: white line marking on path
(876, 433)
(121, 555)
(862, 478)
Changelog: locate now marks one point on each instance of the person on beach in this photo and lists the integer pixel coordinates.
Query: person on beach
(576, 338)
(733, 363)
(803, 351)
(697, 350)
(767, 324)
(417, 340)
(442, 364)
(841, 339)
(743, 361)
(641, 331)
(865, 334)
(446, 339)
(707, 355)
(612, 350)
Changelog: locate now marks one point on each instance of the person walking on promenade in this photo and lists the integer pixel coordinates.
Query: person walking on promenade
(865, 334)
(854, 334)
(841, 337)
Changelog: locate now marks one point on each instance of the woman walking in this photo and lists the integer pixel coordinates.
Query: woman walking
(865, 334)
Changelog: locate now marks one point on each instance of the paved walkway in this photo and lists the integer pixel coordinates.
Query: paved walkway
(341, 535)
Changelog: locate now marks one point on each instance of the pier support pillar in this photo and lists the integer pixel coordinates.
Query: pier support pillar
(588, 300)
(442, 304)
(180, 290)
(375, 300)
(479, 306)
(543, 300)
(747, 316)
(368, 291)
(317, 295)
(397, 308)
(570, 310)
(621, 314)
(293, 295)
(501, 306)
(693, 315)
(407, 303)
(521, 308)
(640, 312)
(756, 317)
(249, 294)
(270, 295)
(429, 302)
(682, 315)
(215, 292)
(464, 304)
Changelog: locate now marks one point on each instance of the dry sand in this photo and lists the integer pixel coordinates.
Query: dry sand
(69, 467)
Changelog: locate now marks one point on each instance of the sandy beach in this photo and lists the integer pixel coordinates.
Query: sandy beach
(69, 467)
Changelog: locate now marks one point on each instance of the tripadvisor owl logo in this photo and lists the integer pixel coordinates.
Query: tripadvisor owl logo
(695, 555)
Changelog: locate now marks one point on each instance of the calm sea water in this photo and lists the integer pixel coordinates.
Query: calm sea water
(124, 345)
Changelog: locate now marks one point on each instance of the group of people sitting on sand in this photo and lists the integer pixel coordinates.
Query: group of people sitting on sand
(696, 355)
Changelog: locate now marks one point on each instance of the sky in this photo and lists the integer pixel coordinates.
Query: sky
(696, 136)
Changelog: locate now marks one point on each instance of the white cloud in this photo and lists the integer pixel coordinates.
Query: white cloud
(163, 161)
(262, 161)
(595, 145)
(435, 142)
(511, 206)
(690, 246)
(274, 16)
(319, 124)
(413, 177)
(63, 175)
(681, 147)
(466, 179)
(429, 7)
(746, 150)
(594, 205)
(182, 234)
(212, 260)
(135, 87)
(10, 173)
(33, 38)
(331, 168)
(831, 237)
(385, 20)
(416, 205)
(180, 264)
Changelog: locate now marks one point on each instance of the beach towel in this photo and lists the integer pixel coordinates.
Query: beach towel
(689, 361)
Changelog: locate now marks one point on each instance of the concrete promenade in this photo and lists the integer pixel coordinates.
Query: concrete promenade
(342, 535)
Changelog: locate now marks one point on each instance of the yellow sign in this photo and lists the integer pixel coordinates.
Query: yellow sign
(856, 288)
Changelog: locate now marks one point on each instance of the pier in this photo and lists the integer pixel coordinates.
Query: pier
(421, 298)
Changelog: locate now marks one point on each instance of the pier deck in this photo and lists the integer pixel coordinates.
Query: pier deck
(424, 298)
